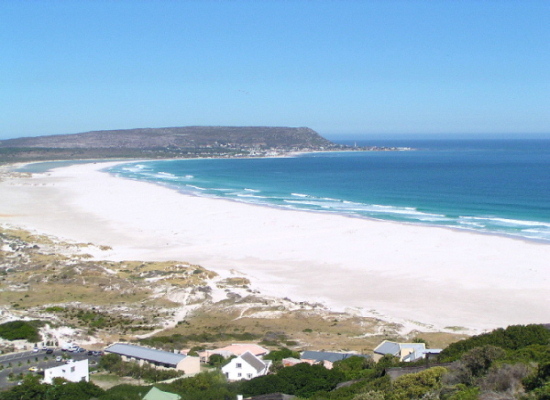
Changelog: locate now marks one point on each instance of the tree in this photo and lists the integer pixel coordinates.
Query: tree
(278, 355)
(74, 390)
(30, 389)
(216, 360)
(204, 386)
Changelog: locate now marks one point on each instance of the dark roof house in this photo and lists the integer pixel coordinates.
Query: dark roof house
(328, 356)
(327, 359)
(160, 358)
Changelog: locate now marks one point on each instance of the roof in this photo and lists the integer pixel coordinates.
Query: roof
(254, 361)
(328, 356)
(386, 347)
(273, 396)
(394, 348)
(157, 394)
(144, 353)
(241, 348)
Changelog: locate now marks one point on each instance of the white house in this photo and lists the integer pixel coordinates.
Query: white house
(74, 372)
(246, 366)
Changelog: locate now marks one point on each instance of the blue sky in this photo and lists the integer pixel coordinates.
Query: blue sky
(339, 67)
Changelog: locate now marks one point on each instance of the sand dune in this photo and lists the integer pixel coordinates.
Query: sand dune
(435, 276)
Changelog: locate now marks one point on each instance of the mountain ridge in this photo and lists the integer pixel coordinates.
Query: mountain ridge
(169, 142)
(186, 136)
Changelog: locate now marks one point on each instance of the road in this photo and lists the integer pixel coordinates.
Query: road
(16, 363)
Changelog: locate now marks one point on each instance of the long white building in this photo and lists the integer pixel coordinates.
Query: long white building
(76, 371)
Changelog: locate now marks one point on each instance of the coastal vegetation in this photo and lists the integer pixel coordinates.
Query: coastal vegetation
(480, 370)
(50, 284)
(17, 330)
(169, 305)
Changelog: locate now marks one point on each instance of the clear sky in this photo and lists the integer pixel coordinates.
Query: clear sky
(339, 67)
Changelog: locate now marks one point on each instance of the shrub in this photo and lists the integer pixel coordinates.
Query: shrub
(301, 380)
(278, 355)
(414, 386)
(514, 337)
(505, 378)
(16, 330)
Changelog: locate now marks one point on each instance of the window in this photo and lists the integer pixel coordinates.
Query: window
(239, 374)
(73, 369)
(239, 365)
(249, 376)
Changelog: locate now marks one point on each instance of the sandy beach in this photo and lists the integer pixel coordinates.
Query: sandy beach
(423, 276)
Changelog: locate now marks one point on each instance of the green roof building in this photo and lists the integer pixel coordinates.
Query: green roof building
(157, 394)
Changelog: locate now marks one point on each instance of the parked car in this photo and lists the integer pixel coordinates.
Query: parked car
(58, 358)
(33, 369)
(81, 350)
(35, 350)
(49, 351)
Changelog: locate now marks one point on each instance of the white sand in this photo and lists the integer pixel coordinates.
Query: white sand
(439, 277)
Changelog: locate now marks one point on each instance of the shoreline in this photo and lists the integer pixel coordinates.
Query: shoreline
(428, 276)
(320, 212)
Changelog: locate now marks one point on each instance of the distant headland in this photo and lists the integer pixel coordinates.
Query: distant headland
(175, 142)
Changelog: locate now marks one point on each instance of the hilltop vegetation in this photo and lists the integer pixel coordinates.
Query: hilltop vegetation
(177, 142)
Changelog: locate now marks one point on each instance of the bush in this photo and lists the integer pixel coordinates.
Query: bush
(514, 337)
(540, 378)
(474, 364)
(16, 330)
(204, 386)
(414, 386)
(505, 378)
(355, 367)
(125, 392)
(278, 355)
(216, 360)
(302, 380)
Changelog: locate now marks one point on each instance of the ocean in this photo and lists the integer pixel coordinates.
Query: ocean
(492, 186)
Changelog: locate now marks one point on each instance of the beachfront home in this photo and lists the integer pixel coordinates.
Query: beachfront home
(246, 366)
(325, 358)
(404, 351)
(76, 371)
(158, 358)
(236, 349)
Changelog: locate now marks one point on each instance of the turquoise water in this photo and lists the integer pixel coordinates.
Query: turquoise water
(495, 186)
